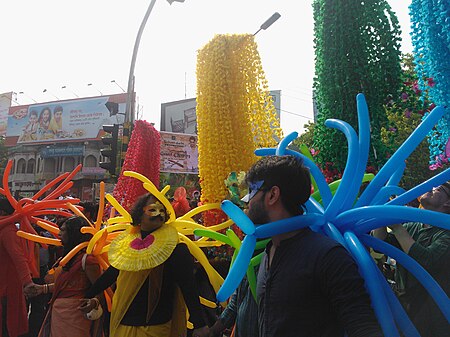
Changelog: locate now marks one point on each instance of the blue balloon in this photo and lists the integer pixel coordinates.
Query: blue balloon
(281, 149)
(400, 316)
(424, 187)
(312, 206)
(349, 172)
(364, 144)
(332, 232)
(389, 215)
(288, 225)
(236, 214)
(397, 176)
(384, 194)
(238, 269)
(400, 156)
(433, 288)
(368, 269)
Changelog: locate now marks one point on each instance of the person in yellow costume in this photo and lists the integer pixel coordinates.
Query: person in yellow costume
(154, 276)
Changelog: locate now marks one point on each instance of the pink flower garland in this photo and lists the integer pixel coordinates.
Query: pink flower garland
(143, 156)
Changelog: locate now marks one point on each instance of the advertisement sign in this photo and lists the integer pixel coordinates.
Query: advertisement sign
(181, 116)
(5, 104)
(71, 151)
(75, 119)
(179, 153)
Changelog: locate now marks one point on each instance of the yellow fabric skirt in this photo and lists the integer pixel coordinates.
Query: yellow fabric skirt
(162, 330)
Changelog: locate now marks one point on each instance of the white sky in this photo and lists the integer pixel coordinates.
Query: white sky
(48, 44)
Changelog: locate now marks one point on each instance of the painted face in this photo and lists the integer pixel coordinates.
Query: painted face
(33, 119)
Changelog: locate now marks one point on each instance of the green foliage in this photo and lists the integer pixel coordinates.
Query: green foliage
(307, 136)
(357, 48)
(404, 114)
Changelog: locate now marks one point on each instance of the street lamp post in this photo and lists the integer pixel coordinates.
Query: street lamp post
(45, 90)
(114, 81)
(275, 16)
(91, 85)
(129, 116)
(22, 93)
(64, 87)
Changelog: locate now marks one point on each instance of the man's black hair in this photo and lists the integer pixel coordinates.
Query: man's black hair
(6, 206)
(289, 174)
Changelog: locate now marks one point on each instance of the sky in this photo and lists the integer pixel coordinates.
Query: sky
(48, 44)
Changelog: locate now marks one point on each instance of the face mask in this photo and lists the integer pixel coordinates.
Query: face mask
(156, 209)
(253, 188)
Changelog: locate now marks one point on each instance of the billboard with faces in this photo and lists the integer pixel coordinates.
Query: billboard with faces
(75, 119)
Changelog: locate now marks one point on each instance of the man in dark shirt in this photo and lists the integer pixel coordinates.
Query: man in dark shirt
(308, 284)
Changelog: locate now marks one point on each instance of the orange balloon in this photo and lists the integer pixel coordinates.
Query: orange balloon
(38, 238)
(72, 253)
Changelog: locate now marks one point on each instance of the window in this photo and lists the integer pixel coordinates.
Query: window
(21, 166)
(49, 165)
(90, 161)
(31, 165)
(69, 164)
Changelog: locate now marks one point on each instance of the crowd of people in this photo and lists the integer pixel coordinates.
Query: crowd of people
(307, 284)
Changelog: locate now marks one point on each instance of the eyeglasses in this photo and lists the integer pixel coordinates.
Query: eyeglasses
(253, 188)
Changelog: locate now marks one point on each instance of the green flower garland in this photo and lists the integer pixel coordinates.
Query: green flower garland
(357, 47)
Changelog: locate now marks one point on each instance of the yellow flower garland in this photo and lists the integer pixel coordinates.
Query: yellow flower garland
(235, 112)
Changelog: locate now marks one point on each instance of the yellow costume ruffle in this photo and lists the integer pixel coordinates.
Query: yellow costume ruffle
(130, 253)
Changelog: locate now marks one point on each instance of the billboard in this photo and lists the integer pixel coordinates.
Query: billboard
(181, 117)
(179, 153)
(5, 104)
(75, 119)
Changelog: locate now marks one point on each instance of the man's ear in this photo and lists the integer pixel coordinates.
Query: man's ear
(273, 195)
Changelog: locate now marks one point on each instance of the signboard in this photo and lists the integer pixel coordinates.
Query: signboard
(75, 119)
(181, 116)
(5, 104)
(179, 153)
(71, 151)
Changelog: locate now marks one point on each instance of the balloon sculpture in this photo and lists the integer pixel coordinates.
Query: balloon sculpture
(347, 218)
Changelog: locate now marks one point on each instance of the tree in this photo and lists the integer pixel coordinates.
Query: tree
(357, 50)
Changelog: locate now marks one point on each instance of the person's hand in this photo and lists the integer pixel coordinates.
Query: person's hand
(87, 304)
(201, 332)
(32, 290)
(396, 228)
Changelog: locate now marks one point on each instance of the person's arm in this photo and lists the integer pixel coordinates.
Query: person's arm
(340, 281)
(182, 266)
(93, 273)
(102, 283)
(227, 318)
(12, 245)
(404, 239)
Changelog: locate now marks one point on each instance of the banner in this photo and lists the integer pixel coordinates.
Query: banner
(5, 104)
(179, 153)
(65, 120)
(181, 116)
